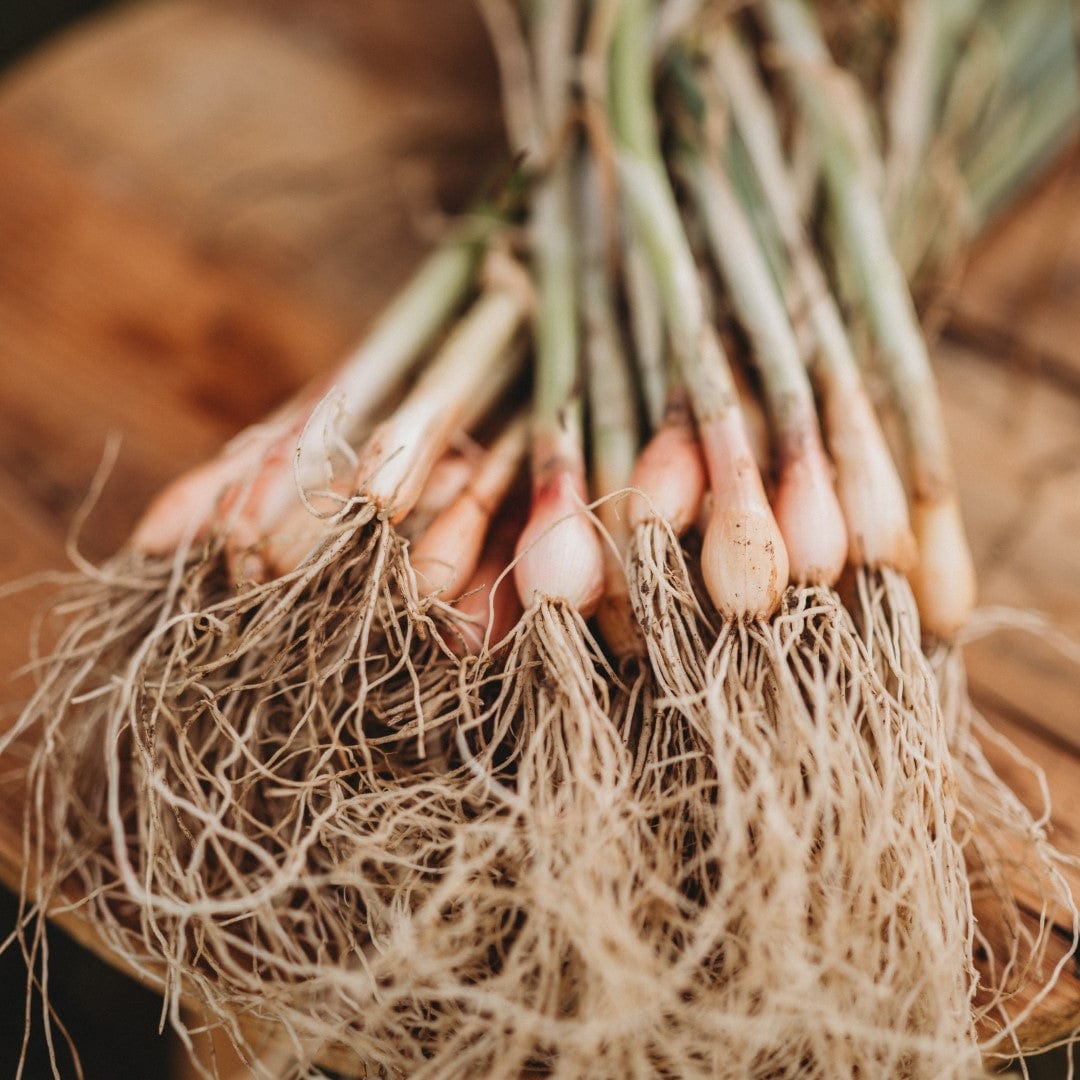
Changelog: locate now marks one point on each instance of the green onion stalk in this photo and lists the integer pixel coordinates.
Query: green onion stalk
(943, 578)
(982, 98)
(744, 560)
(540, 721)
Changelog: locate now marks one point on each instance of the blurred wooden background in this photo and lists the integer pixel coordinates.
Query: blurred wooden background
(202, 203)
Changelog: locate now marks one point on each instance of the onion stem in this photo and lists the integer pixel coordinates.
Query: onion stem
(446, 554)
(805, 503)
(612, 411)
(910, 101)
(646, 323)
(870, 490)
(944, 579)
(361, 385)
(413, 320)
(612, 406)
(469, 371)
(743, 558)
(559, 554)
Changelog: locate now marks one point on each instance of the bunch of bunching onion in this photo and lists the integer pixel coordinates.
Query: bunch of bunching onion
(653, 759)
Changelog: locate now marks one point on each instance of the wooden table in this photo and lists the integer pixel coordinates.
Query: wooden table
(201, 204)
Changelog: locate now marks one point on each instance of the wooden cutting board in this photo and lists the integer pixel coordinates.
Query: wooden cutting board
(202, 204)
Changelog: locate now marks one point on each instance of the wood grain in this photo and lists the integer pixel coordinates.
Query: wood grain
(1017, 446)
(203, 204)
(1022, 299)
(313, 144)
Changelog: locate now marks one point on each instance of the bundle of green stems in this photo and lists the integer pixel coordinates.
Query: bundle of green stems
(568, 683)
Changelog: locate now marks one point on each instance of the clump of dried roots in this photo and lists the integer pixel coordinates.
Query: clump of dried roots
(95, 623)
(593, 982)
(1014, 875)
(839, 886)
(821, 884)
(255, 790)
(673, 761)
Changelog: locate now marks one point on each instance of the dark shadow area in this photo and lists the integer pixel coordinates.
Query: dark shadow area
(112, 1020)
(25, 23)
(1051, 1066)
